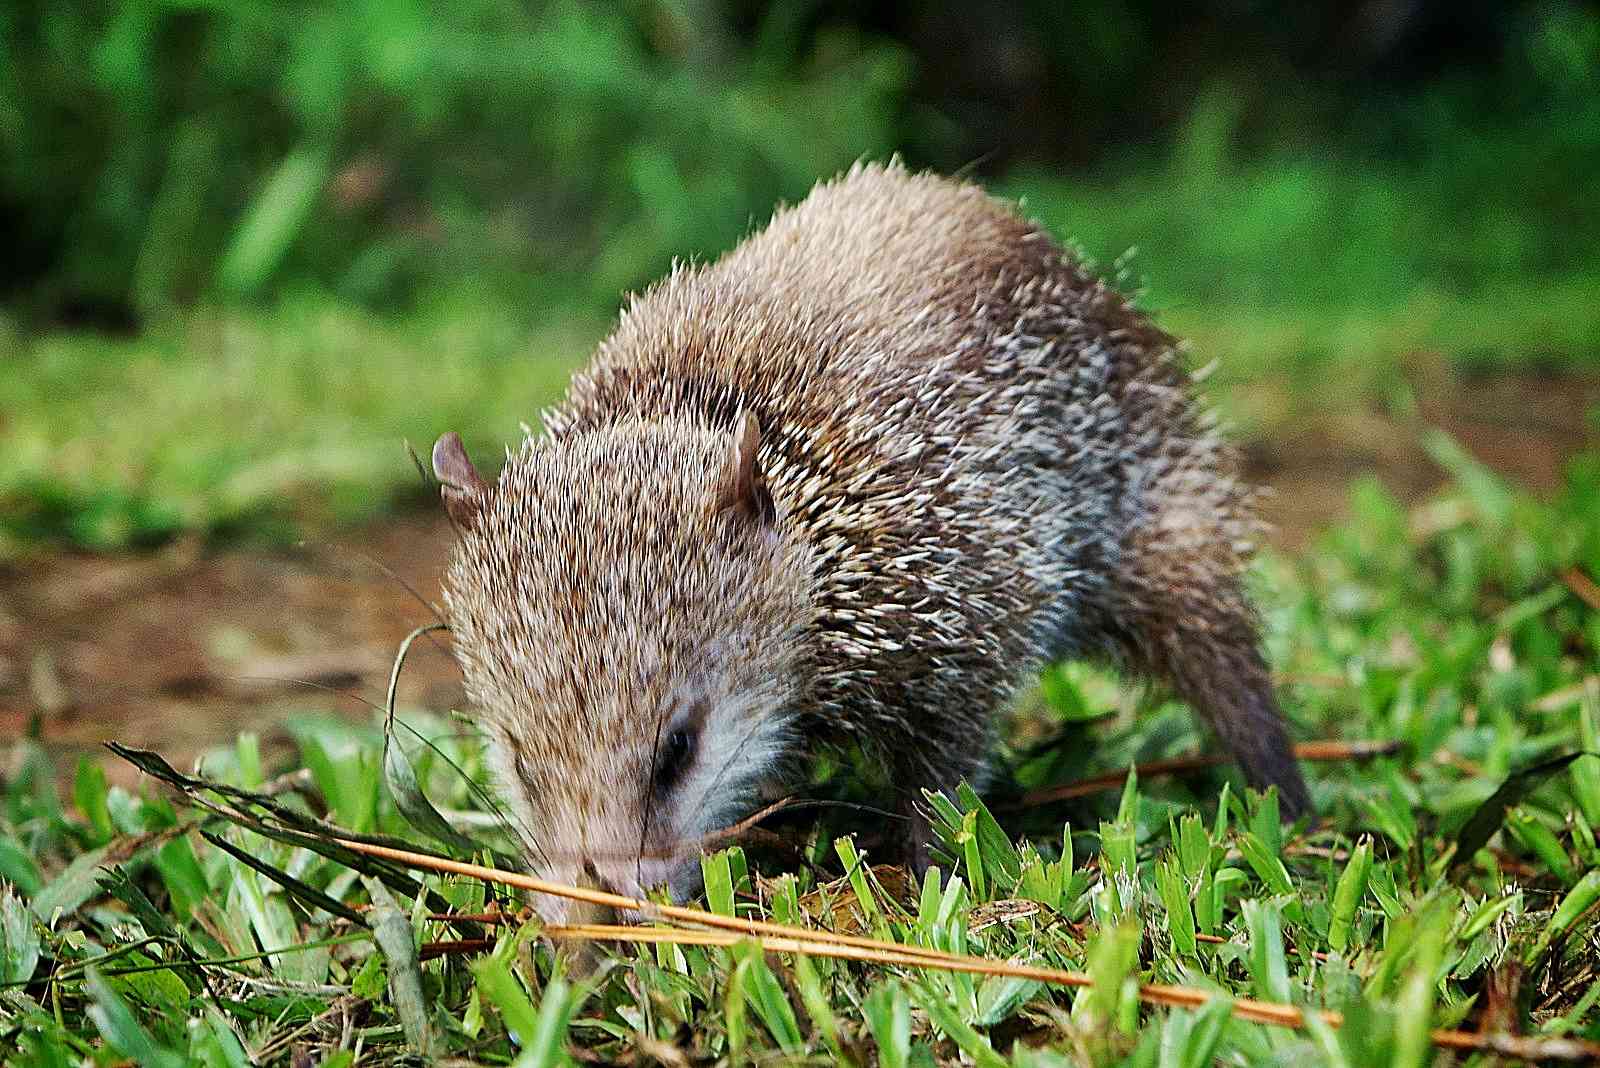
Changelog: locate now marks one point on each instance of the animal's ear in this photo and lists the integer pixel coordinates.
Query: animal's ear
(463, 489)
(744, 492)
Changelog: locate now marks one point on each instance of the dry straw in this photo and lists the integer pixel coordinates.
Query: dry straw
(783, 938)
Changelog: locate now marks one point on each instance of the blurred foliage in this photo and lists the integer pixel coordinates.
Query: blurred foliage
(233, 424)
(314, 230)
(159, 152)
(560, 152)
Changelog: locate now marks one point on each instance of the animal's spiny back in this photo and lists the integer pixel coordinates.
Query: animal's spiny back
(862, 475)
(944, 399)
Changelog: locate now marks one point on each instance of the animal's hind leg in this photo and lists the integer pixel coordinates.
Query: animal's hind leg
(1180, 615)
(1209, 655)
(939, 769)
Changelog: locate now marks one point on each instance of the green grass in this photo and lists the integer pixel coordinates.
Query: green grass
(237, 421)
(1325, 264)
(1343, 263)
(1450, 629)
(234, 423)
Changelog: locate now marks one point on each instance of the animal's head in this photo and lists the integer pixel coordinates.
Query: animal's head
(628, 615)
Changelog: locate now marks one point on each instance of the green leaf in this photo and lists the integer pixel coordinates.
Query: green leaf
(735, 1001)
(120, 1028)
(1394, 816)
(999, 996)
(999, 852)
(888, 1013)
(1112, 957)
(1486, 913)
(77, 883)
(1194, 847)
(1208, 900)
(971, 856)
(718, 877)
(855, 868)
(89, 791)
(1586, 772)
(1266, 823)
(18, 868)
(1578, 901)
(396, 939)
(1118, 849)
(1268, 965)
(306, 893)
(213, 1043)
(935, 1002)
(766, 997)
(1531, 833)
(495, 980)
(1266, 864)
(19, 941)
(1414, 1011)
(270, 226)
(400, 777)
(1486, 490)
(548, 1047)
(1128, 805)
(1175, 896)
(1347, 895)
(1491, 814)
(181, 873)
(1189, 1040)
(815, 999)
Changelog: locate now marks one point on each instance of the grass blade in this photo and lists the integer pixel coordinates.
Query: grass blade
(1490, 815)
(1347, 894)
(1579, 900)
(272, 223)
(19, 942)
(1414, 1013)
(888, 1012)
(767, 998)
(400, 776)
(120, 1028)
(396, 939)
(548, 1047)
(1268, 963)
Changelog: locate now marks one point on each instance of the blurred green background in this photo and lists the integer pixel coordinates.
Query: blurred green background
(253, 247)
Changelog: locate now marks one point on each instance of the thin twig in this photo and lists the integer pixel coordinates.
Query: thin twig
(1111, 780)
(1267, 1012)
(787, 939)
(891, 953)
(737, 830)
(648, 910)
(429, 950)
(1582, 586)
(1567, 695)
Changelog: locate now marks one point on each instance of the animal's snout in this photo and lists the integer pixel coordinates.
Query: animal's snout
(594, 880)
(589, 877)
(620, 879)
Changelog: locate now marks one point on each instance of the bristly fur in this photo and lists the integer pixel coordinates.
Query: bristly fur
(981, 458)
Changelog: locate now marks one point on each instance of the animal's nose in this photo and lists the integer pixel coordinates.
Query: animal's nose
(611, 880)
(593, 878)
(575, 912)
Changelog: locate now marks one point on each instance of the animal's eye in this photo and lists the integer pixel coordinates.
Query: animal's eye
(677, 751)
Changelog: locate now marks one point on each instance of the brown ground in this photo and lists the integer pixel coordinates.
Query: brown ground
(181, 650)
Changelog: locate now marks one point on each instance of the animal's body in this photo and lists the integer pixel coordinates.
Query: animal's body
(858, 479)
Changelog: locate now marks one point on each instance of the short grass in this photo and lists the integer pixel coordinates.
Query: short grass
(237, 423)
(1455, 884)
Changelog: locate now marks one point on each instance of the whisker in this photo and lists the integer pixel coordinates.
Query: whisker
(309, 684)
(388, 572)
